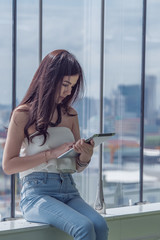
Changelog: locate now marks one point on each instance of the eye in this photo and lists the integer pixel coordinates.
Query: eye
(66, 85)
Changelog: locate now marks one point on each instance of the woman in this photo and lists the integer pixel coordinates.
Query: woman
(41, 128)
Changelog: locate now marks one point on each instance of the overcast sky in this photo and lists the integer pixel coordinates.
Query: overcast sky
(75, 26)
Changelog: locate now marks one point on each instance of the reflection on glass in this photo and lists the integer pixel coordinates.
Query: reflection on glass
(5, 97)
(75, 26)
(27, 44)
(122, 102)
(27, 56)
(152, 106)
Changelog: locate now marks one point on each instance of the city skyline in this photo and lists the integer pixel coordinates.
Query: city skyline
(125, 105)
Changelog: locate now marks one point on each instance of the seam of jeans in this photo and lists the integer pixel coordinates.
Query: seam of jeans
(57, 215)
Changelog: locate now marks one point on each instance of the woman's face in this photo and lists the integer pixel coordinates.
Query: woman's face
(66, 88)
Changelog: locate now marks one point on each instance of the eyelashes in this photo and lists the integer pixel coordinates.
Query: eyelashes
(65, 85)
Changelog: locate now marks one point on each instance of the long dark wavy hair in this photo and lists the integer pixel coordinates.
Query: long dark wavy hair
(46, 84)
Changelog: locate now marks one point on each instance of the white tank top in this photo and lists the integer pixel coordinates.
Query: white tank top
(56, 137)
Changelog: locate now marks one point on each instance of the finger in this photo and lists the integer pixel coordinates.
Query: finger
(70, 144)
(88, 146)
(82, 141)
(78, 143)
(86, 149)
(76, 148)
(92, 142)
(80, 148)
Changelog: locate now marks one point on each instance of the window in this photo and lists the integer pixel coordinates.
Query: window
(152, 106)
(122, 97)
(5, 96)
(76, 26)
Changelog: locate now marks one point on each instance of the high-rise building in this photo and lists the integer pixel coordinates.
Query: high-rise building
(131, 104)
(150, 98)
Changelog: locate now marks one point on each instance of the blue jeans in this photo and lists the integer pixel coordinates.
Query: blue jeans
(53, 199)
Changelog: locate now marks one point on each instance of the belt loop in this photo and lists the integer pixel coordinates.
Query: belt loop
(71, 178)
(45, 177)
(61, 176)
(22, 180)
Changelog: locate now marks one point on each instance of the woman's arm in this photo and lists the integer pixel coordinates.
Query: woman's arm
(85, 149)
(12, 162)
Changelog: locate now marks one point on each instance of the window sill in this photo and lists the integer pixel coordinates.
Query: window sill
(19, 225)
(133, 211)
(134, 222)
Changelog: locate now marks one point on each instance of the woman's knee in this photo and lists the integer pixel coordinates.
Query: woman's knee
(101, 229)
(86, 230)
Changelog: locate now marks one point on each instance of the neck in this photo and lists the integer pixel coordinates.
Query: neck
(59, 117)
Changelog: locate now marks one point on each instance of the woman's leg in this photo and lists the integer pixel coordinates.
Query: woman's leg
(100, 225)
(46, 209)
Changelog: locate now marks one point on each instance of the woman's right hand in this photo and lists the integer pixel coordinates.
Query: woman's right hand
(56, 152)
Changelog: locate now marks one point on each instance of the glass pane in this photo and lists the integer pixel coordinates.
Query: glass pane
(74, 25)
(152, 106)
(123, 21)
(5, 97)
(27, 54)
(27, 44)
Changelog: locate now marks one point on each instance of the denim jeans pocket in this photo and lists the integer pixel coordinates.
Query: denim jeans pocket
(33, 182)
(31, 187)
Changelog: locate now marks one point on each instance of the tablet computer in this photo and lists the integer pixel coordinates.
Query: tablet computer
(97, 138)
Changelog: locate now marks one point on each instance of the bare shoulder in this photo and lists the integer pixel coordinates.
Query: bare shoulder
(74, 115)
(20, 115)
(73, 111)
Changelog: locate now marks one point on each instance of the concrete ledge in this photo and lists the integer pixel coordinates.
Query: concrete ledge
(126, 223)
(140, 222)
(21, 229)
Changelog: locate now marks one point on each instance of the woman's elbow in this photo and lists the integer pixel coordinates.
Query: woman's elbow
(6, 169)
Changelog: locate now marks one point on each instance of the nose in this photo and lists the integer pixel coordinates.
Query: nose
(68, 91)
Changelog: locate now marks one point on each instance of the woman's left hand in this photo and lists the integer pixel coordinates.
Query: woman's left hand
(85, 149)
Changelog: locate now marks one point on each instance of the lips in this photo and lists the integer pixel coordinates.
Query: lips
(60, 99)
(63, 97)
